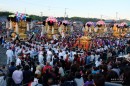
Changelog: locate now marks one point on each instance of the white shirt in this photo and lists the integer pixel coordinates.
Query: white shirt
(60, 54)
(97, 63)
(18, 62)
(96, 57)
(79, 82)
(17, 76)
(61, 71)
(9, 53)
(98, 50)
(49, 53)
(92, 58)
(64, 57)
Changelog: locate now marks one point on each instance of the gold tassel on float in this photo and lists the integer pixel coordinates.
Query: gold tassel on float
(10, 27)
(48, 29)
(17, 29)
(60, 29)
(52, 30)
(89, 29)
(27, 26)
(86, 28)
(95, 29)
(66, 28)
(105, 30)
(7, 24)
(45, 29)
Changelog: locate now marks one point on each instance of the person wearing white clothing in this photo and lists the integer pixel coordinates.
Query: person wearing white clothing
(18, 61)
(49, 55)
(17, 76)
(61, 71)
(60, 54)
(40, 57)
(98, 62)
(16, 51)
(92, 57)
(10, 55)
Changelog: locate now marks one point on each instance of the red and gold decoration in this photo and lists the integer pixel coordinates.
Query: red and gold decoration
(19, 24)
(83, 42)
(51, 26)
(120, 29)
(100, 26)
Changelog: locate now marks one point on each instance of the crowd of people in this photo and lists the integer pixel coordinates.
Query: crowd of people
(58, 63)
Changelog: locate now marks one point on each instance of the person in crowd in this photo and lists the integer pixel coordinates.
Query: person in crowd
(17, 76)
(79, 79)
(57, 62)
(3, 74)
(11, 69)
(10, 55)
(90, 81)
(99, 80)
(27, 74)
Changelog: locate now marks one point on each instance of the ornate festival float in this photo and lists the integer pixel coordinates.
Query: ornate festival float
(64, 28)
(19, 24)
(120, 29)
(100, 28)
(51, 27)
(89, 28)
(83, 42)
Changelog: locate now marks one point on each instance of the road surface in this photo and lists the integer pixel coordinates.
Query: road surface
(3, 57)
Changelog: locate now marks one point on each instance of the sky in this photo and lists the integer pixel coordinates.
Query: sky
(106, 9)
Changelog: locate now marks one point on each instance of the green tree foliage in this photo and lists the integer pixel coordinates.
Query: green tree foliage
(5, 13)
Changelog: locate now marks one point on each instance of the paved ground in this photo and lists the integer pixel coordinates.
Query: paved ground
(3, 57)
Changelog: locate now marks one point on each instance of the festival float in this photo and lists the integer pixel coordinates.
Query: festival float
(100, 29)
(116, 30)
(64, 28)
(120, 30)
(19, 24)
(51, 27)
(83, 42)
(124, 28)
(89, 28)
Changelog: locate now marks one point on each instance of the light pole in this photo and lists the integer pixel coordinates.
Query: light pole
(101, 17)
(65, 13)
(41, 20)
(116, 16)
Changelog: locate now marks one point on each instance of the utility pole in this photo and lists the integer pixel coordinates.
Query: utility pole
(41, 19)
(101, 17)
(25, 11)
(116, 16)
(65, 13)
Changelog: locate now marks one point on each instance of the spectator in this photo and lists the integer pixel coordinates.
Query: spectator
(99, 80)
(27, 74)
(10, 55)
(11, 69)
(17, 76)
(90, 80)
(79, 79)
